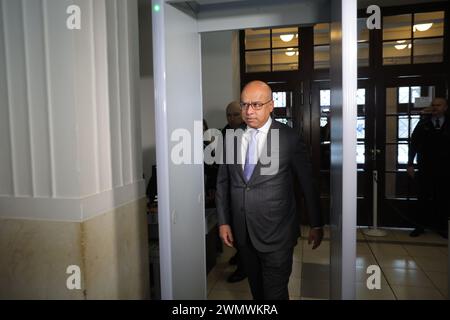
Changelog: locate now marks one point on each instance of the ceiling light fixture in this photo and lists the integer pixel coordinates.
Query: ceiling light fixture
(290, 53)
(400, 46)
(286, 37)
(422, 26)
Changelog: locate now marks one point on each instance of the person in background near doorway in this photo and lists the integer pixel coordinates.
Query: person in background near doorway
(234, 120)
(256, 210)
(234, 117)
(430, 141)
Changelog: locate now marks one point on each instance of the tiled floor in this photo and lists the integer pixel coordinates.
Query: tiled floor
(411, 268)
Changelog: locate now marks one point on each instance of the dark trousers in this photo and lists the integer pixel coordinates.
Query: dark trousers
(268, 272)
(434, 201)
(239, 264)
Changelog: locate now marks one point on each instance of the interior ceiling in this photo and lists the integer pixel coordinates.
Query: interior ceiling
(389, 3)
(361, 3)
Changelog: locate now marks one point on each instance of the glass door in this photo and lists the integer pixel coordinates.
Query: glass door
(397, 119)
(364, 131)
(286, 97)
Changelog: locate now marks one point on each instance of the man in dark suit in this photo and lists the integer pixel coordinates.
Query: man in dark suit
(430, 141)
(255, 203)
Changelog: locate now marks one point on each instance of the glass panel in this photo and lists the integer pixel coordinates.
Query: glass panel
(325, 98)
(360, 128)
(363, 32)
(257, 61)
(361, 96)
(284, 121)
(257, 39)
(391, 157)
(322, 33)
(413, 123)
(279, 99)
(323, 121)
(428, 24)
(361, 177)
(285, 59)
(360, 154)
(397, 27)
(428, 50)
(391, 100)
(285, 37)
(397, 52)
(363, 54)
(415, 93)
(321, 57)
(403, 95)
(361, 110)
(403, 132)
(402, 157)
(397, 185)
(426, 92)
(391, 129)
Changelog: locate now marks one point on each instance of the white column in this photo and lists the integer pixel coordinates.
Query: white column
(69, 126)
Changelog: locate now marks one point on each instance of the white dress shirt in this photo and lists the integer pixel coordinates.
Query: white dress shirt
(261, 138)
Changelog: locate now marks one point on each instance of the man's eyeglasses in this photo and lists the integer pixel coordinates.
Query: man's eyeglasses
(254, 105)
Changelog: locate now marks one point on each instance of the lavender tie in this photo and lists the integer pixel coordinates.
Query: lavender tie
(251, 156)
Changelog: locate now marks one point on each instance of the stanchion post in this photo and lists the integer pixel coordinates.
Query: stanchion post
(374, 231)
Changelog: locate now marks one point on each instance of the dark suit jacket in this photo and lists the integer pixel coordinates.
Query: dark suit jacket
(265, 205)
(432, 147)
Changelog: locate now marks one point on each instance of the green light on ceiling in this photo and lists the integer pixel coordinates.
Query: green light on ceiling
(156, 7)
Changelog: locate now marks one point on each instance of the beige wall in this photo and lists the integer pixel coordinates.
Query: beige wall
(111, 250)
(116, 254)
(34, 258)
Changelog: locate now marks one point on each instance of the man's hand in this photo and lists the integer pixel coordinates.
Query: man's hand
(315, 237)
(410, 171)
(226, 235)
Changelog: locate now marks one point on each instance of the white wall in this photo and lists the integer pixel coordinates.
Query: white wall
(220, 75)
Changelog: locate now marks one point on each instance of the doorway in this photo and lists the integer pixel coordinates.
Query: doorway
(401, 109)
(383, 135)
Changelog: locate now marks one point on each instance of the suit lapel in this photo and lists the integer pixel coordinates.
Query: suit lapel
(236, 164)
(237, 160)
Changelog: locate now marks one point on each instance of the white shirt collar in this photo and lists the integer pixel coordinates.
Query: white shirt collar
(265, 128)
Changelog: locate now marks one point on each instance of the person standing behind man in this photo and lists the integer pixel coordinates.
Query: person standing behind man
(430, 141)
(257, 211)
(234, 121)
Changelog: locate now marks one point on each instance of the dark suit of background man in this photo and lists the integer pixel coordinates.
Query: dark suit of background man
(257, 212)
(430, 141)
